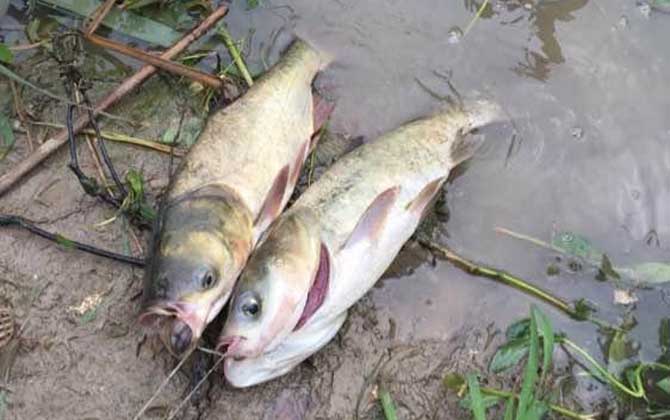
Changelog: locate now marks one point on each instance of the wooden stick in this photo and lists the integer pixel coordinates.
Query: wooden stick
(167, 65)
(98, 15)
(51, 145)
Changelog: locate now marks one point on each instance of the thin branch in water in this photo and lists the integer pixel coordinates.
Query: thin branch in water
(167, 65)
(476, 18)
(235, 55)
(18, 221)
(98, 16)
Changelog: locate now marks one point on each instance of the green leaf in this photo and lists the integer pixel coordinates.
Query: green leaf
(252, 4)
(530, 372)
(651, 273)
(544, 326)
(576, 245)
(6, 55)
(536, 410)
(583, 309)
(518, 329)
(664, 385)
(478, 409)
(509, 409)
(616, 351)
(124, 22)
(454, 382)
(6, 136)
(509, 354)
(387, 405)
(488, 401)
(64, 242)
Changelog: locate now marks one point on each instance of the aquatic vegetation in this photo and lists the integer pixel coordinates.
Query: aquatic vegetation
(646, 384)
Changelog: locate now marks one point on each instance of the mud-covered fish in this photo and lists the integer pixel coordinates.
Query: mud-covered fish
(229, 188)
(360, 213)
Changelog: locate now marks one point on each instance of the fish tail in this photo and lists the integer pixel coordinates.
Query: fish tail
(478, 113)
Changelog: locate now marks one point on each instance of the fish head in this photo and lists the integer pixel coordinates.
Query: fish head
(272, 291)
(201, 247)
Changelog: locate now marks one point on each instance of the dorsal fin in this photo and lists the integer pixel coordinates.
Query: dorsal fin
(419, 203)
(370, 225)
(272, 205)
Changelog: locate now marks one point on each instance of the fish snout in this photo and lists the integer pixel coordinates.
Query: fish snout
(232, 346)
(179, 325)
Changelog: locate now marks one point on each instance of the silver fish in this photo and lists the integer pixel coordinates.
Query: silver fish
(366, 206)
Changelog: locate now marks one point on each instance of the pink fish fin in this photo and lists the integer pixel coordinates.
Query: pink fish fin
(371, 224)
(420, 202)
(322, 109)
(274, 201)
(297, 164)
(319, 290)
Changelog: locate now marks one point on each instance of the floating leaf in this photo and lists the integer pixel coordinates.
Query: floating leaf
(6, 55)
(576, 245)
(616, 351)
(6, 136)
(454, 382)
(651, 273)
(252, 4)
(127, 23)
(519, 329)
(583, 309)
(477, 402)
(664, 385)
(509, 354)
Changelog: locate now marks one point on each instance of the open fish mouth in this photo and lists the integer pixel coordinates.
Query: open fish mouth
(178, 324)
(229, 346)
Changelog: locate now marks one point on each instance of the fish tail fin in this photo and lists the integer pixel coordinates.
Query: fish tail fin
(478, 113)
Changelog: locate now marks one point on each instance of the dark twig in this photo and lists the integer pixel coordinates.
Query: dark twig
(17, 221)
(98, 15)
(167, 65)
(50, 146)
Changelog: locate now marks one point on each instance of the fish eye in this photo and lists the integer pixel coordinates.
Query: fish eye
(206, 276)
(250, 305)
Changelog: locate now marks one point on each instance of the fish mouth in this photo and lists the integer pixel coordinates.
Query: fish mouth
(179, 324)
(230, 346)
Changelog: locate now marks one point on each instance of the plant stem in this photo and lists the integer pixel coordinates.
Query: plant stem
(477, 16)
(235, 54)
(639, 393)
(506, 278)
(387, 405)
(557, 408)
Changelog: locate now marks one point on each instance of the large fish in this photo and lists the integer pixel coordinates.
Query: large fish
(357, 216)
(229, 188)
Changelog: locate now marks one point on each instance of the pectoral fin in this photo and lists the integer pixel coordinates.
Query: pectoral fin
(420, 202)
(321, 112)
(274, 200)
(371, 224)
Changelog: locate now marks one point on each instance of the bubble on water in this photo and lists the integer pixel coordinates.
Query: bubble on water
(528, 6)
(645, 10)
(577, 133)
(454, 35)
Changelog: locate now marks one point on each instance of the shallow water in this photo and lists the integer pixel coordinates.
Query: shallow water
(585, 84)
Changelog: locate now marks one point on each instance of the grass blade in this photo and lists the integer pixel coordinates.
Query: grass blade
(387, 405)
(476, 397)
(509, 408)
(530, 372)
(544, 326)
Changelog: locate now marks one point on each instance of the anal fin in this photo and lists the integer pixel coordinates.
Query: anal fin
(420, 202)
